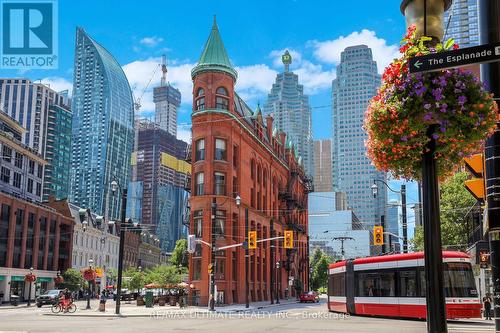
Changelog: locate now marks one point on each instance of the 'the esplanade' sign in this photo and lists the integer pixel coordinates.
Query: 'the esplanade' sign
(456, 58)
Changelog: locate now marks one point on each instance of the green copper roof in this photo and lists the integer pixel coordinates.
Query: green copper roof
(214, 56)
(257, 111)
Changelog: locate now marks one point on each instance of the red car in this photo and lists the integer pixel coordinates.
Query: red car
(309, 296)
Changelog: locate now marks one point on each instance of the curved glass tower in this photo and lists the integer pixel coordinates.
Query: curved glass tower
(103, 132)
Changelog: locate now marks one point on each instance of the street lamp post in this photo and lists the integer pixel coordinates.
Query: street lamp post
(29, 291)
(115, 187)
(402, 192)
(277, 291)
(427, 15)
(88, 286)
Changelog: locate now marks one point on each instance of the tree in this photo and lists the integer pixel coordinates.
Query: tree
(455, 201)
(73, 280)
(319, 263)
(179, 256)
(111, 275)
(162, 275)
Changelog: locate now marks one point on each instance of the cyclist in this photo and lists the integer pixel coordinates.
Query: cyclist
(65, 299)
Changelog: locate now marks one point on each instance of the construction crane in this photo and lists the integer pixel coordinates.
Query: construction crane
(137, 101)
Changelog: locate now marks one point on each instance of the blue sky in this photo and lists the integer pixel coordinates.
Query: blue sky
(255, 34)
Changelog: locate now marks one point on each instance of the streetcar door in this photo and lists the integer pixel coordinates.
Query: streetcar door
(349, 287)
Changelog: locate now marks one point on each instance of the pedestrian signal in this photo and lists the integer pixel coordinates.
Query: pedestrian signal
(483, 258)
(210, 268)
(288, 239)
(378, 235)
(252, 240)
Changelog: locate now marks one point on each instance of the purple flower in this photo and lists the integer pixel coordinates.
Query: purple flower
(435, 136)
(404, 138)
(457, 91)
(462, 99)
(428, 116)
(442, 81)
(427, 106)
(442, 129)
(438, 94)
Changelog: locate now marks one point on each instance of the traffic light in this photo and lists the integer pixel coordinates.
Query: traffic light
(210, 268)
(378, 235)
(475, 165)
(252, 240)
(483, 258)
(288, 239)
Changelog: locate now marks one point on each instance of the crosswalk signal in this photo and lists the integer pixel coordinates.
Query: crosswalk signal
(378, 235)
(252, 240)
(288, 239)
(483, 258)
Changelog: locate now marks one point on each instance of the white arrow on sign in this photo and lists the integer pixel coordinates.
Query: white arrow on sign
(418, 64)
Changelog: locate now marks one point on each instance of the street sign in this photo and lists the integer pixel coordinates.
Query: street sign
(455, 58)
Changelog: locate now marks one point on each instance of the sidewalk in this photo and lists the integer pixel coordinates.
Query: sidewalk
(132, 310)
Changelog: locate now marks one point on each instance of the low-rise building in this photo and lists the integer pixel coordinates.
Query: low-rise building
(32, 236)
(150, 254)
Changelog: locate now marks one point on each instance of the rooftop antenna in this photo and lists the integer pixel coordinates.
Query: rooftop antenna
(164, 70)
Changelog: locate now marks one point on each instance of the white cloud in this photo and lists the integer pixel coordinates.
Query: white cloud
(313, 77)
(254, 81)
(329, 51)
(151, 41)
(276, 56)
(184, 133)
(58, 84)
(140, 72)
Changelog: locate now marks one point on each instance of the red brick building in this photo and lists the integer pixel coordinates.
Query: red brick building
(235, 152)
(32, 236)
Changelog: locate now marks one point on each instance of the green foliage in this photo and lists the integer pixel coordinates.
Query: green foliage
(163, 275)
(454, 203)
(319, 263)
(179, 256)
(111, 275)
(73, 280)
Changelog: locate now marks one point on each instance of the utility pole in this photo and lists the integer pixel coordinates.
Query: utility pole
(342, 240)
(247, 302)
(214, 269)
(405, 224)
(271, 262)
(489, 21)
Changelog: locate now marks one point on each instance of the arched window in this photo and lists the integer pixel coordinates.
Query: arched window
(200, 99)
(221, 100)
(221, 91)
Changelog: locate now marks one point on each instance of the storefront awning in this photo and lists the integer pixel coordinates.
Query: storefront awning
(17, 278)
(43, 279)
(2, 277)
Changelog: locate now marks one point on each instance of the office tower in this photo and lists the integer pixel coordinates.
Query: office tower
(353, 173)
(392, 226)
(46, 118)
(159, 176)
(102, 130)
(461, 22)
(289, 107)
(323, 166)
(167, 99)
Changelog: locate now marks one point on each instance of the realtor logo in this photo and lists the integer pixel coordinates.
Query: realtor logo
(28, 34)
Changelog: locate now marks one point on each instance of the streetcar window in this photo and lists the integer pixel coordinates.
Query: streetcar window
(423, 288)
(381, 284)
(459, 280)
(408, 283)
(339, 284)
(387, 284)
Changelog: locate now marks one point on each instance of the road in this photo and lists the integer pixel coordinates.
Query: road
(286, 318)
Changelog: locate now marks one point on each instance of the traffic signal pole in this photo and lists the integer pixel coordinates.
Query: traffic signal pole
(489, 21)
(247, 283)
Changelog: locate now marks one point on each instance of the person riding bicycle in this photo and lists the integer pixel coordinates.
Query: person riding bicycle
(65, 299)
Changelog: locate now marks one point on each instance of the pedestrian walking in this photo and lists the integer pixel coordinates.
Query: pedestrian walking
(487, 307)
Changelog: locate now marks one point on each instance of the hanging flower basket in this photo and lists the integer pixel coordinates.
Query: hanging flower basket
(58, 280)
(453, 101)
(30, 278)
(89, 274)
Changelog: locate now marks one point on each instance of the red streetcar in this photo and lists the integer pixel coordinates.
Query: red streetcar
(394, 286)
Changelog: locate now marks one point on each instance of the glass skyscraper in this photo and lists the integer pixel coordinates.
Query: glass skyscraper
(353, 173)
(461, 23)
(103, 128)
(292, 114)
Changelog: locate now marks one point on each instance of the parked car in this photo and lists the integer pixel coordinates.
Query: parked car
(125, 295)
(309, 296)
(50, 297)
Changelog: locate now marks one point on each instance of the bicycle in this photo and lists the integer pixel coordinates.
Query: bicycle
(59, 307)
